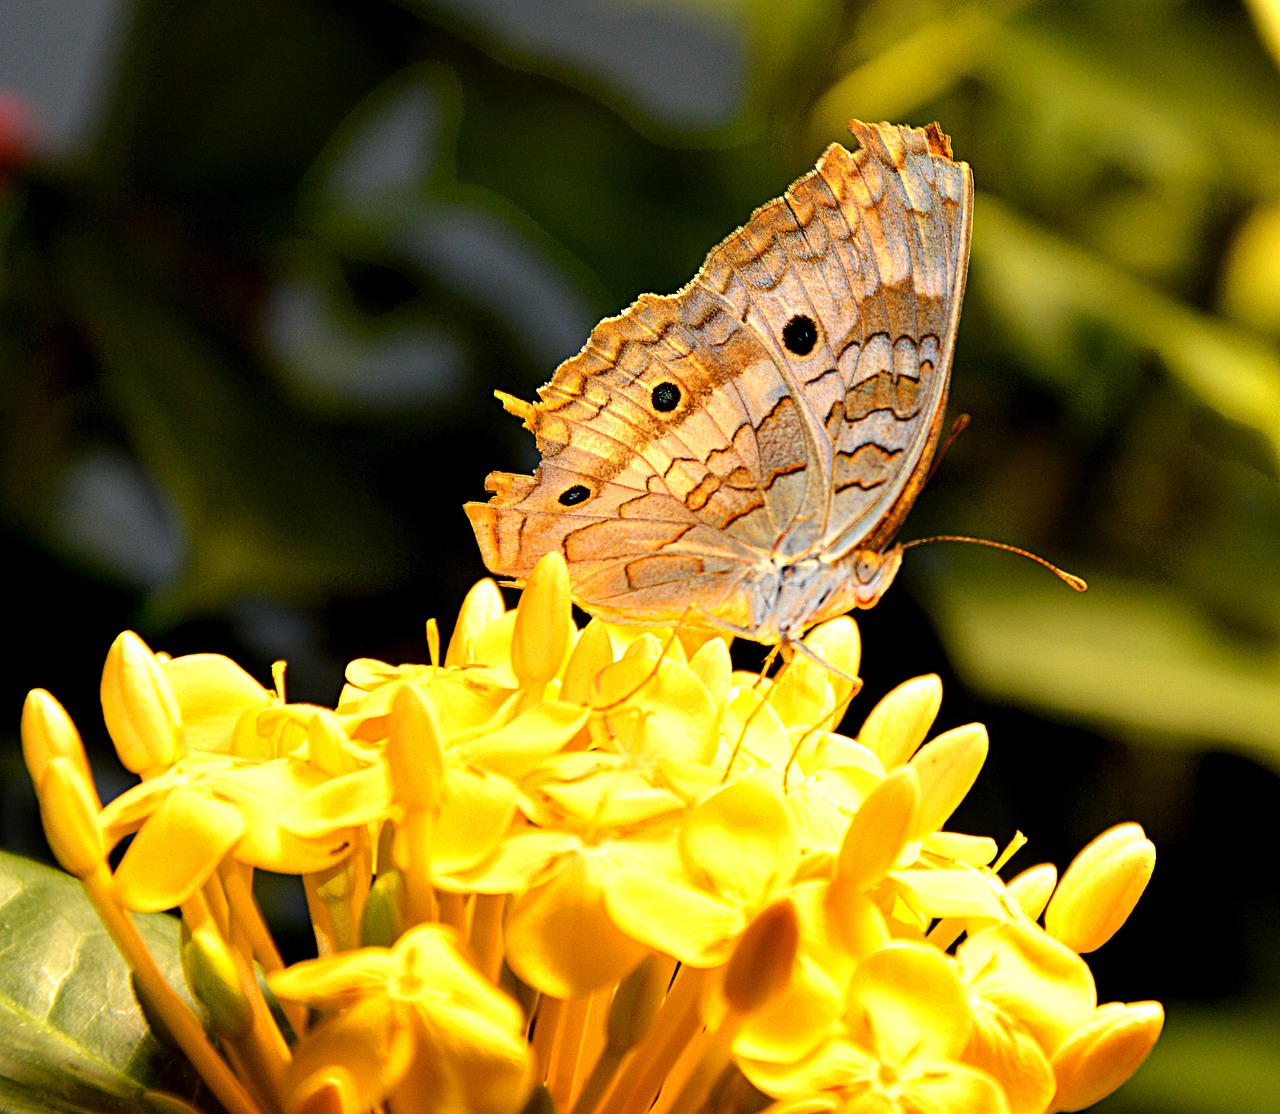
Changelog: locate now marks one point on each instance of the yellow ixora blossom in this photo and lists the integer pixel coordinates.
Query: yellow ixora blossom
(598, 870)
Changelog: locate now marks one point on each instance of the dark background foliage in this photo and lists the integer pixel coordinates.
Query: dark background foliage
(262, 265)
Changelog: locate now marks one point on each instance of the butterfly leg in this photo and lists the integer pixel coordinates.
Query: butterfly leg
(957, 427)
(790, 645)
(829, 722)
(657, 664)
(746, 726)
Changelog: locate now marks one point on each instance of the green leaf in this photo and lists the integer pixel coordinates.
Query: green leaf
(1042, 286)
(918, 64)
(1124, 655)
(72, 1037)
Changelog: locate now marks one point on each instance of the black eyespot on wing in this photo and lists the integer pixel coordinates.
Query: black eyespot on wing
(666, 397)
(800, 334)
(578, 493)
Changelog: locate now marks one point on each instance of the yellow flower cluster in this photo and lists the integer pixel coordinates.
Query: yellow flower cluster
(597, 870)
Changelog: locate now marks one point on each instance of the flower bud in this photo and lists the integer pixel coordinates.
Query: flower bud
(382, 921)
(482, 606)
(1032, 889)
(636, 1002)
(544, 623)
(762, 961)
(592, 653)
(139, 707)
(214, 978)
(415, 760)
(47, 733)
(69, 812)
(1102, 1055)
(1100, 888)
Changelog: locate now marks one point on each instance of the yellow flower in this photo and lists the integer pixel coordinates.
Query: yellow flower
(899, 1051)
(217, 702)
(414, 1023)
(204, 808)
(677, 868)
(729, 857)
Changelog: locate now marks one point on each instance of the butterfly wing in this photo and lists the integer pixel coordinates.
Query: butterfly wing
(702, 439)
(905, 214)
(859, 272)
(657, 465)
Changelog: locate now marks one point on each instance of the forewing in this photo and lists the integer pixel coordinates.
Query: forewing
(652, 464)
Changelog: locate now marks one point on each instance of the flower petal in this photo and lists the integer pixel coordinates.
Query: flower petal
(651, 899)
(947, 767)
(900, 722)
(655, 708)
(1031, 978)
(957, 891)
(477, 812)
(264, 793)
(517, 748)
(879, 830)
(561, 940)
(334, 981)
(1010, 1054)
(342, 802)
(212, 692)
(742, 842)
(179, 846)
(906, 1000)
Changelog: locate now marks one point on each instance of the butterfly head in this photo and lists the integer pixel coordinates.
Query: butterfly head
(873, 572)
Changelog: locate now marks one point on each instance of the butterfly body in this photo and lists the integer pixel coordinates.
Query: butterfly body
(746, 449)
(788, 598)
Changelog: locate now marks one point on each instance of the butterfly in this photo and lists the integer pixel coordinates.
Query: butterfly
(745, 450)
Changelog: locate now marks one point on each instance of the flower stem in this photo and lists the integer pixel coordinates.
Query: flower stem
(486, 935)
(566, 1057)
(673, 1028)
(177, 1017)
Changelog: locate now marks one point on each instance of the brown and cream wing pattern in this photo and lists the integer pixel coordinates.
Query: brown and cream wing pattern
(910, 252)
(703, 435)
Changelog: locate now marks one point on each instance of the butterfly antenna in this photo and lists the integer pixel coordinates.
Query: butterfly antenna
(957, 427)
(1068, 578)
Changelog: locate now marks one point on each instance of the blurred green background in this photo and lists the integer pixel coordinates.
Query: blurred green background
(263, 262)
